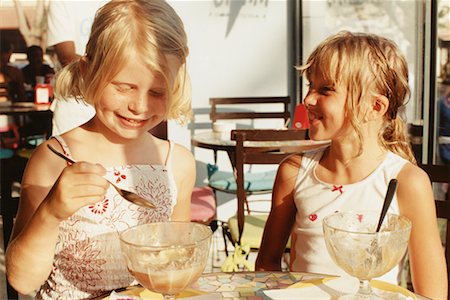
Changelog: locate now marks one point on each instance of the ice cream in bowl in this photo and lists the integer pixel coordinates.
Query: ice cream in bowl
(166, 257)
(355, 246)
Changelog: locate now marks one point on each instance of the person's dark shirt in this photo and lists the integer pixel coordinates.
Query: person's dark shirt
(444, 127)
(29, 73)
(444, 108)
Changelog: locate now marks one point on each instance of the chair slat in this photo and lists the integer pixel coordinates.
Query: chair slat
(441, 174)
(241, 104)
(437, 173)
(249, 115)
(249, 100)
(265, 158)
(271, 135)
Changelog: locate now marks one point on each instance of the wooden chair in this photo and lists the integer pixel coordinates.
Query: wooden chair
(238, 108)
(249, 109)
(247, 229)
(441, 174)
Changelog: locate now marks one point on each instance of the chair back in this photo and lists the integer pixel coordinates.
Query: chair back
(258, 155)
(441, 174)
(235, 108)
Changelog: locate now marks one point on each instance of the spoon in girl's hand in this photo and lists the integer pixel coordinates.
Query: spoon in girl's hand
(130, 196)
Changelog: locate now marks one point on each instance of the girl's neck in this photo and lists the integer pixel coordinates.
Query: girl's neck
(342, 163)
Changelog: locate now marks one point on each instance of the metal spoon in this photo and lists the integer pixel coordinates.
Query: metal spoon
(130, 196)
(392, 187)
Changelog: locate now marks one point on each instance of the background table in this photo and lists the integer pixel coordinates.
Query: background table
(215, 141)
(37, 116)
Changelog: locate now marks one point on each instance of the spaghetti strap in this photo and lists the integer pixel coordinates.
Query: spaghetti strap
(63, 144)
(168, 161)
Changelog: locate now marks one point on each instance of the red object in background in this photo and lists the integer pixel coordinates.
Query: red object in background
(10, 136)
(300, 117)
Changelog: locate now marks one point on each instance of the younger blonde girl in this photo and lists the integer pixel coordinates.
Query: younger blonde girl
(358, 86)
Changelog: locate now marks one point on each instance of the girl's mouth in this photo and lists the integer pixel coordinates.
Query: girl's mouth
(313, 116)
(132, 122)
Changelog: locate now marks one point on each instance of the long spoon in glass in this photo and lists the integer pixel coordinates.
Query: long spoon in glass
(127, 195)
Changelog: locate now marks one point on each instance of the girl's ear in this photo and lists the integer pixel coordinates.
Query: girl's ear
(83, 64)
(380, 105)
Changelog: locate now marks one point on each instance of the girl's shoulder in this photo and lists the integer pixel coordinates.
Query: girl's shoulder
(295, 160)
(181, 153)
(414, 190)
(411, 173)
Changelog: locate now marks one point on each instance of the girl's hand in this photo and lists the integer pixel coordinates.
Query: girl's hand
(78, 185)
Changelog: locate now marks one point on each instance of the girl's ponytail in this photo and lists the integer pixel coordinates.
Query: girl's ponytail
(69, 82)
(395, 138)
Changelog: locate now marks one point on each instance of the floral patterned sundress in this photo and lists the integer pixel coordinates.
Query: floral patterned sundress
(88, 261)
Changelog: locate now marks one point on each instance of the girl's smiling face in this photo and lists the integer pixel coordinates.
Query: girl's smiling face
(136, 99)
(326, 109)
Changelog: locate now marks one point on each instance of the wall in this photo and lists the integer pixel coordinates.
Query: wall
(237, 48)
(397, 20)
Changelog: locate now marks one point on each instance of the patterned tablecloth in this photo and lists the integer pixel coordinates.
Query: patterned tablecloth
(248, 285)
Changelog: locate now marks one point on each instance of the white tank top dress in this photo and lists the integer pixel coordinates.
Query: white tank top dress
(316, 199)
(88, 261)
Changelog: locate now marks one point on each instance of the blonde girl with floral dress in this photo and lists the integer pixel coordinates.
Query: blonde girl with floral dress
(65, 243)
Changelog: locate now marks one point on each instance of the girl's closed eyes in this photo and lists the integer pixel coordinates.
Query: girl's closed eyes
(323, 89)
(158, 92)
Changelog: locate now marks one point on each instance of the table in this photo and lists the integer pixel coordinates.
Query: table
(18, 108)
(39, 113)
(244, 285)
(215, 141)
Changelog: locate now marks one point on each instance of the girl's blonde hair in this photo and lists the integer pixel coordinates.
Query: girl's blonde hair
(367, 65)
(151, 28)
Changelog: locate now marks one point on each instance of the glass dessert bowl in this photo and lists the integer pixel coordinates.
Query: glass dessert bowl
(166, 257)
(361, 252)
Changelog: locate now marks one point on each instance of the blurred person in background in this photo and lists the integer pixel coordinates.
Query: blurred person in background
(444, 127)
(11, 75)
(69, 26)
(36, 69)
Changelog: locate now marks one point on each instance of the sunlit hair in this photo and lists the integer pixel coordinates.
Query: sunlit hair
(366, 65)
(123, 27)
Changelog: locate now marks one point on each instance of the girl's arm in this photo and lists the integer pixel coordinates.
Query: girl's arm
(50, 193)
(183, 167)
(281, 218)
(426, 255)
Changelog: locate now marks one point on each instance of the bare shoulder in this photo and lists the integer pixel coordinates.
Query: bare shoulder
(183, 153)
(414, 193)
(42, 171)
(44, 167)
(290, 164)
(412, 172)
(183, 159)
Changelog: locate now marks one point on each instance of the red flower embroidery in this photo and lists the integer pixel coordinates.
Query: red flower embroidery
(99, 208)
(119, 176)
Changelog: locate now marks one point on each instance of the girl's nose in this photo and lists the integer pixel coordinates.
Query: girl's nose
(139, 103)
(310, 99)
